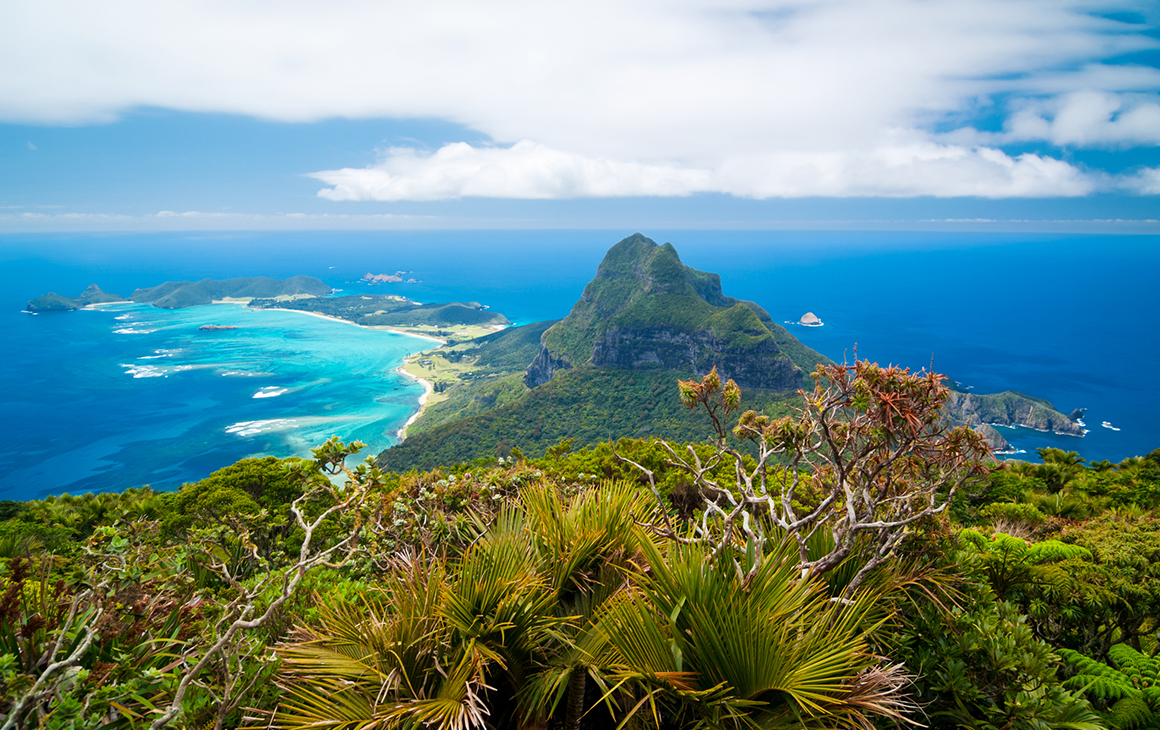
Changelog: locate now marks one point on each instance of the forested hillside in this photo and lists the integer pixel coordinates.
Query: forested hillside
(598, 404)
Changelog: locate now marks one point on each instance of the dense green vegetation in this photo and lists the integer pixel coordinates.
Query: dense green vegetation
(638, 583)
(508, 350)
(181, 294)
(1012, 407)
(388, 309)
(599, 403)
(489, 373)
(644, 319)
(609, 549)
(53, 302)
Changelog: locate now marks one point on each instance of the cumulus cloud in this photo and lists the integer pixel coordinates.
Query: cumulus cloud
(1143, 182)
(531, 171)
(618, 97)
(1090, 119)
(524, 170)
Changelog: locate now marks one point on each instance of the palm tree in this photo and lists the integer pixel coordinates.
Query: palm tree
(589, 546)
(698, 644)
(490, 639)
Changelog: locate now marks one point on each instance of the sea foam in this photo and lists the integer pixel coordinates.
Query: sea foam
(252, 428)
(143, 371)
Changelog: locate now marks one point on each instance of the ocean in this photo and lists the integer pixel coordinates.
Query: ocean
(126, 395)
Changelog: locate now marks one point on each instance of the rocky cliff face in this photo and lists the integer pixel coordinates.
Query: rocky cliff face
(543, 367)
(1011, 408)
(759, 365)
(994, 439)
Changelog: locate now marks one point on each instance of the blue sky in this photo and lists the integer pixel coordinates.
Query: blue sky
(975, 114)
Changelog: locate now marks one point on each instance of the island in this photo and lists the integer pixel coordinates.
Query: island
(181, 294)
(53, 302)
(395, 278)
(1012, 408)
(445, 321)
(644, 320)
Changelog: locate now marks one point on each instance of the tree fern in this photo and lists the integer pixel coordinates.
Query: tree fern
(1053, 550)
(1132, 712)
(1127, 687)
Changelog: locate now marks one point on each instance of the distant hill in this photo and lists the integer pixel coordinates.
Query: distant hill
(181, 294)
(647, 311)
(53, 302)
(390, 310)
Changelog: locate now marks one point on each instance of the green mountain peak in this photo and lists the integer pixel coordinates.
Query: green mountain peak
(646, 310)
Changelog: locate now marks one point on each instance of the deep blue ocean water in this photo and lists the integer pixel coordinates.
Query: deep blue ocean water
(84, 406)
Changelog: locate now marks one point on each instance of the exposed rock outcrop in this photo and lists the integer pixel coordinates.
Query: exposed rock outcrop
(759, 365)
(994, 439)
(543, 367)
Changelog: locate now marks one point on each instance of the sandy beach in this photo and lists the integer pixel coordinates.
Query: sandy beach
(395, 330)
(428, 386)
(428, 389)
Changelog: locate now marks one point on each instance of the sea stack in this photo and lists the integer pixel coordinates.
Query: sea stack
(809, 319)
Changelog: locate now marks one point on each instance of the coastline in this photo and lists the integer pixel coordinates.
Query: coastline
(428, 386)
(428, 389)
(95, 305)
(395, 330)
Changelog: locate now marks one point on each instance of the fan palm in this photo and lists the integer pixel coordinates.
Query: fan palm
(489, 639)
(589, 546)
(700, 646)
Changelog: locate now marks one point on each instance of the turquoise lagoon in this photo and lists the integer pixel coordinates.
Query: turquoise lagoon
(136, 395)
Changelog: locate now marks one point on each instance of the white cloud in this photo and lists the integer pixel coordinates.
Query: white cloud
(1090, 119)
(524, 170)
(528, 170)
(643, 97)
(1143, 182)
(199, 220)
